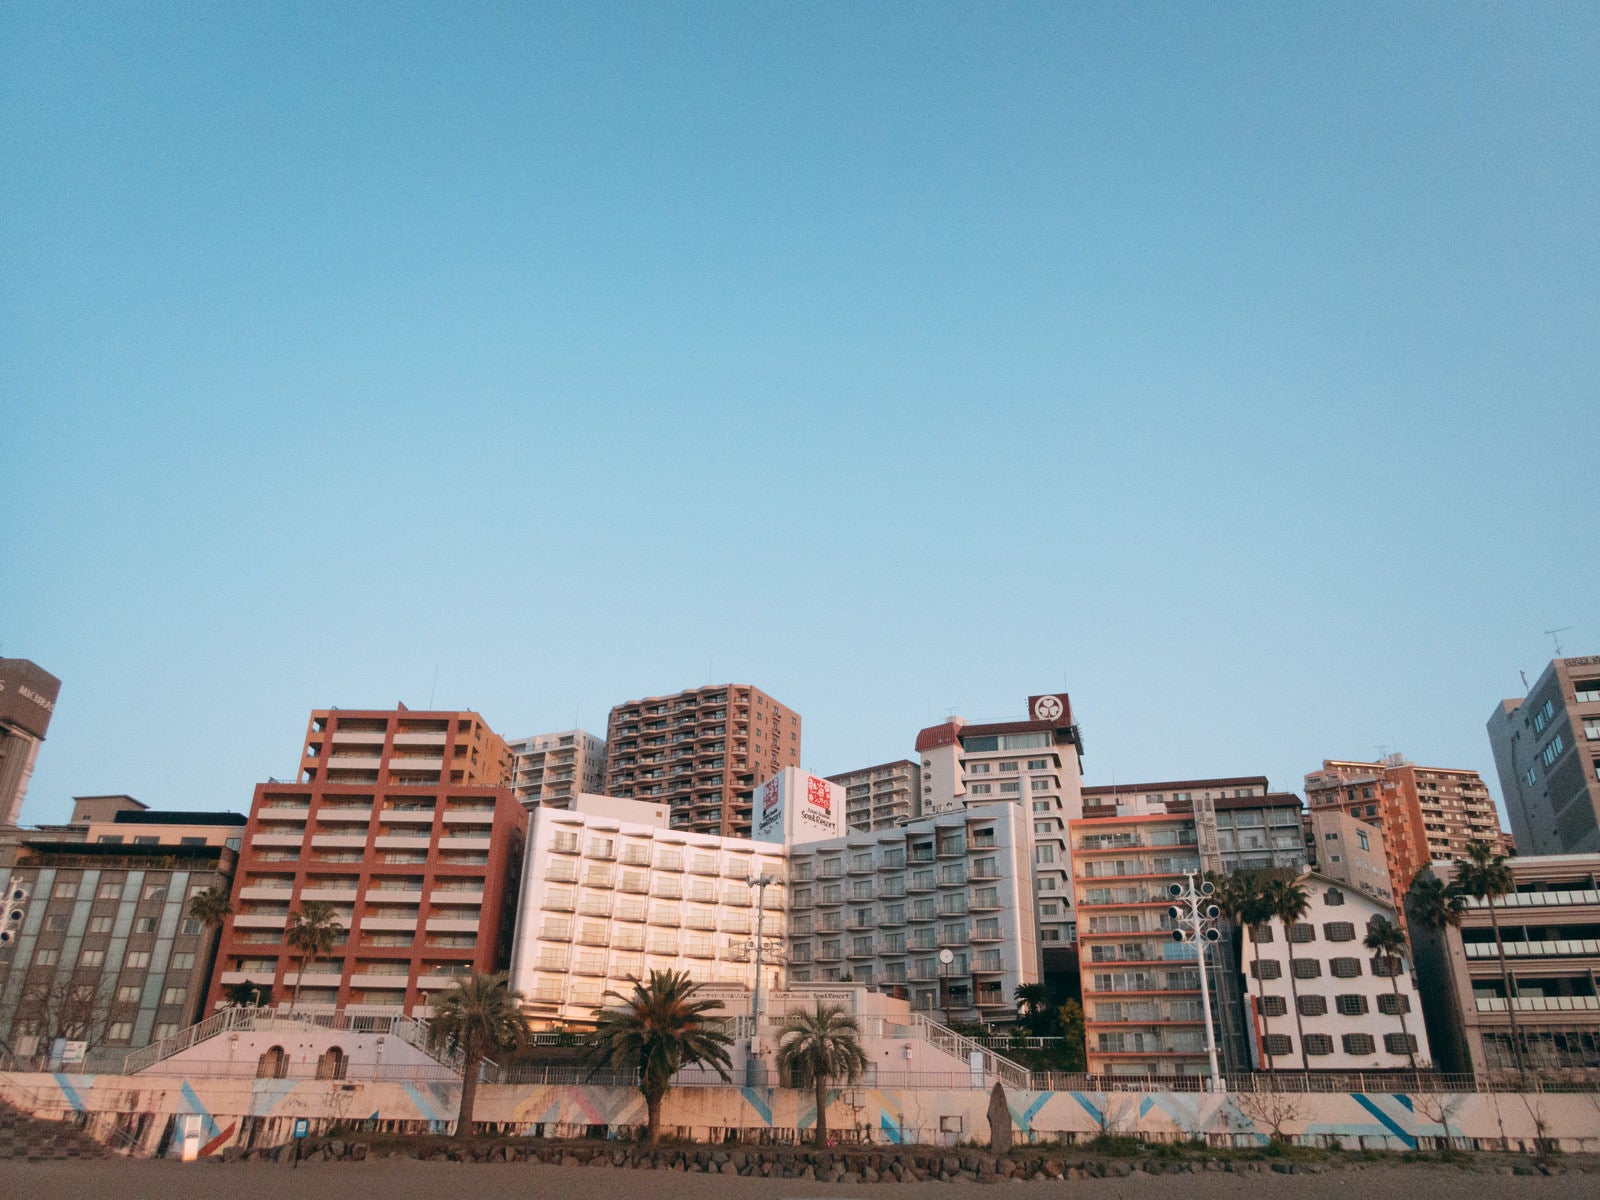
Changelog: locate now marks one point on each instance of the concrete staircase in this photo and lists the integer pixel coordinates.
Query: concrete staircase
(25, 1137)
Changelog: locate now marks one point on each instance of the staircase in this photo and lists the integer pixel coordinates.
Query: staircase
(262, 1020)
(996, 1067)
(25, 1137)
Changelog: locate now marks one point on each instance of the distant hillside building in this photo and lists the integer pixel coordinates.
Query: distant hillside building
(883, 796)
(552, 768)
(1547, 752)
(701, 752)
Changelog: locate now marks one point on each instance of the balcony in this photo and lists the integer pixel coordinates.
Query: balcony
(395, 841)
(344, 816)
(260, 920)
(406, 816)
(1540, 1003)
(337, 895)
(462, 842)
(340, 841)
(288, 840)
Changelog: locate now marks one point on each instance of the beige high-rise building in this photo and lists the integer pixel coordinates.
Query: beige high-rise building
(553, 768)
(700, 752)
(1351, 852)
(27, 701)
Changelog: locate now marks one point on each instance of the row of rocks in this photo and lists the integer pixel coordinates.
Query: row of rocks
(843, 1166)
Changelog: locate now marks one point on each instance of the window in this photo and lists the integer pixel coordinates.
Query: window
(99, 924)
(182, 962)
(1392, 1005)
(1008, 766)
(1267, 968)
(1345, 968)
(119, 1031)
(174, 995)
(1361, 840)
(1262, 935)
(1307, 968)
(145, 925)
(1591, 728)
(1300, 932)
(1312, 1006)
(137, 960)
(66, 889)
(1339, 931)
(46, 958)
(1386, 966)
(1277, 1045)
(980, 789)
(1531, 777)
(1038, 764)
(1400, 1043)
(55, 922)
(1011, 786)
(92, 958)
(1553, 750)
(978, 769)
(1333, 898)
(1351, 1005)
(109, 889)
(128, 993)
(154, 891)
(1044, 854)
(191, 926)
(1359, 1043)
(1586, 691)
(1273, 1006)
(1043, 785)
(1318, 1043)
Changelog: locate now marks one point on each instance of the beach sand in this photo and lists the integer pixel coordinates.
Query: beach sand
(399, 1179)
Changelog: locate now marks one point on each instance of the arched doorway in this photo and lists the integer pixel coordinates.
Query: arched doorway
(274, 1064)
(333, 1064)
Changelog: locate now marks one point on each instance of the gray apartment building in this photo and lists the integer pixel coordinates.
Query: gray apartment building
(1547, 752)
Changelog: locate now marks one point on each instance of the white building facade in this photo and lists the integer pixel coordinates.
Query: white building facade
(1337, 1006)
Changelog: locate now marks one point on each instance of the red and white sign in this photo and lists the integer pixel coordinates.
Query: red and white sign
(818, 795)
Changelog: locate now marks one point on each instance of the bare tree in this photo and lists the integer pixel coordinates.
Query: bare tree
(1274, 1109)
(1439, 1107)
(72, 1007)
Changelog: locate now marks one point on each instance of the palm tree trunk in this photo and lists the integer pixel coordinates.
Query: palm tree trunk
(1294, 990)
(1261, 997)
(822, 1110)
(299, 978)
(1394, 982)
(652, 1110)
(1511, 996)
(471, 1059)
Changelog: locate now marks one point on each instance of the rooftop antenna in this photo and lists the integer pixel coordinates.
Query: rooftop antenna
(1524, 675)
(1551, 633)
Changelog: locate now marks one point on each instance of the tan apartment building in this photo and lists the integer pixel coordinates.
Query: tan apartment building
(1550, 932)
(1547, 752)
(1350, 851)
(1427, 814)
(881, 797)
(701, 753)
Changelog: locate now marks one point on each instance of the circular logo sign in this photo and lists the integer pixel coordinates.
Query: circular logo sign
(1047, 708)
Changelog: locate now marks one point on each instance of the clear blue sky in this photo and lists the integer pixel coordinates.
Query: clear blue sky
(1233, 366)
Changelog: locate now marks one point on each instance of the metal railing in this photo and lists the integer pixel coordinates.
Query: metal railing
(959, 1046)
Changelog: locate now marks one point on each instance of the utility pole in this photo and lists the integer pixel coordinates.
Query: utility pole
(761, 883)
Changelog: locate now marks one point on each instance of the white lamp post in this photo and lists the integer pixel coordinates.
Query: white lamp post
(1196, 919)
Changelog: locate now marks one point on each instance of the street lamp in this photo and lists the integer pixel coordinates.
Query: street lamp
(761, 883)
(1196, 919)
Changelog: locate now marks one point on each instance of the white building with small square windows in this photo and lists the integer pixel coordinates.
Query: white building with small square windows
(1320, 1000)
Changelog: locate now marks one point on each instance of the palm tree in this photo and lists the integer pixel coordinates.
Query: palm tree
(1389, 942)
(1484, 874)
(1244, 901)
(658, 1030)
(211, 908)
(246, 994)
(1033, 1000)
(1434, 903)
(1288, 901)
(313, 931)
(817, 1045)
(476, 1015)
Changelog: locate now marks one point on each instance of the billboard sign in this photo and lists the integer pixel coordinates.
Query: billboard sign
(769, 809)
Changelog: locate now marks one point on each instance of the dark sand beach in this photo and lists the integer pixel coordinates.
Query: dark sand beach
(134, 1179)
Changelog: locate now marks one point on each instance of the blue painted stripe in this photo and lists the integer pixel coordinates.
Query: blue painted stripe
(1024, 1119)
(211, 1127)
(1385, 1120)
(891, 1129)
(1089, 1107)
(70, 1092)
(759, 1103)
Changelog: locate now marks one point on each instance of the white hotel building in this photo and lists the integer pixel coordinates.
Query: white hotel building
(937, 911)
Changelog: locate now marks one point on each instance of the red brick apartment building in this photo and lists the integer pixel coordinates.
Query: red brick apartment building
(701, 752)
(403, 821)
